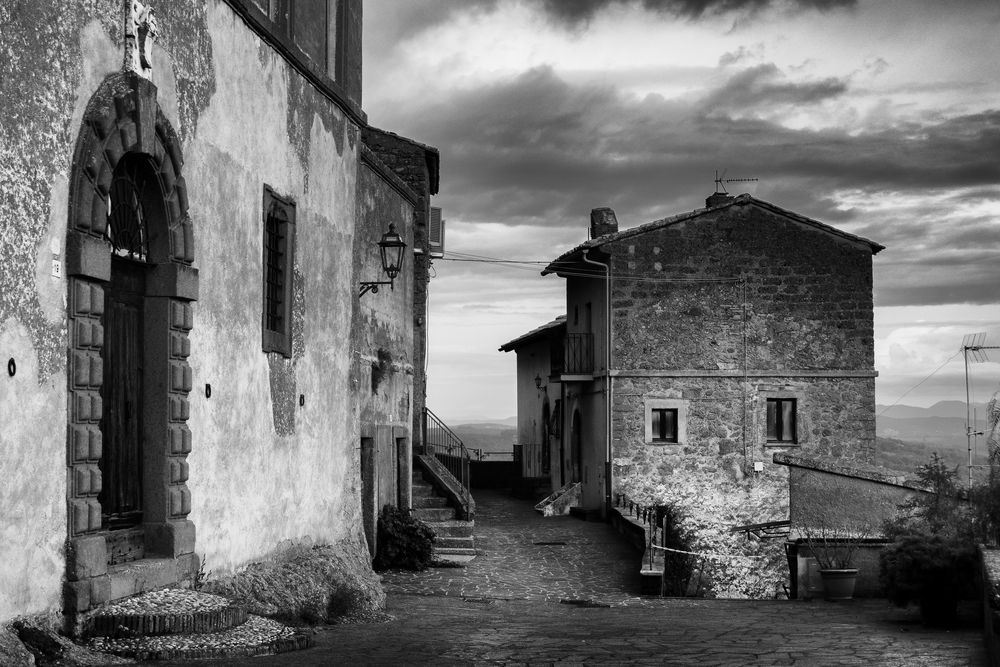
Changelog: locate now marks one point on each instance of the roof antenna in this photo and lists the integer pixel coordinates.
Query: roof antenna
(720, 181)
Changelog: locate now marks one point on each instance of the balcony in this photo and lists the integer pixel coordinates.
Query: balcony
(579, 354)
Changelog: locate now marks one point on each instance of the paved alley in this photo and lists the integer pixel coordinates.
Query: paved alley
(560, 590)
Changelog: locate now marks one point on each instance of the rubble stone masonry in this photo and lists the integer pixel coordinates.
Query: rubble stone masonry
(716, 313)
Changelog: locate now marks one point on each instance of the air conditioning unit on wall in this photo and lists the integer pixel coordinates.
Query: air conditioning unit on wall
(435, 233)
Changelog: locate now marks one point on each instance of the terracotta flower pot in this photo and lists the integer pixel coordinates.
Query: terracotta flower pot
(839, 584)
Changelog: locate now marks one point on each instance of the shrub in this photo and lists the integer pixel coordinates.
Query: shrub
(930, 569)
(932, 561)
(404, 542)
(677, 567)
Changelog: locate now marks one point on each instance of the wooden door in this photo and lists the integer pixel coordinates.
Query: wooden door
(577, 449)
(122, 394)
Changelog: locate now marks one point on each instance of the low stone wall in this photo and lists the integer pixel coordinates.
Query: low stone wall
(635, 533)
(492, 474)
(838, 493)
(804, 570)
(990, 564)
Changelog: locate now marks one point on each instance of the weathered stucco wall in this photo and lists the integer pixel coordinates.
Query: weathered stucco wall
(533, 361)
(264, 468)
(43, 92)
(382, 344)
(417, 166)
(843, 495)
(273, 454)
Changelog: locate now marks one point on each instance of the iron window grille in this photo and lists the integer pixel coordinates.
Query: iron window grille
(781, 415)
(126, 230)
(664, 424)
(279, 248)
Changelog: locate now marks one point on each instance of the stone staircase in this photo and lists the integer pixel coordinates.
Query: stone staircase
(180, 624)
(455, 542)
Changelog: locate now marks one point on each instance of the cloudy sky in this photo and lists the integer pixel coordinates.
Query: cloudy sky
(879, 117)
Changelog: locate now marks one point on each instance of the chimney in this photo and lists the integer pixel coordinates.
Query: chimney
(602, 221)
(718, 199)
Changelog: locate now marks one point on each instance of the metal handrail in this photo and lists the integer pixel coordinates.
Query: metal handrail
(447, 448)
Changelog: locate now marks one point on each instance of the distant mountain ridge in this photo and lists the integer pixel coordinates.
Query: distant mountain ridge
(946, 409)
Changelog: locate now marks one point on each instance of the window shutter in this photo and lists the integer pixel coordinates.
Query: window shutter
(435, 233)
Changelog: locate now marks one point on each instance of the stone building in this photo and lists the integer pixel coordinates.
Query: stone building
(736, 331)
(189, 200)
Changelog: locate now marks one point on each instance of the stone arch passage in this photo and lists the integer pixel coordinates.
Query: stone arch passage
(123, 119)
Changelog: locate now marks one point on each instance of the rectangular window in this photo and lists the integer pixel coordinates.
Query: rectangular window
(279, 247)
(781, 420)
(664, 424)
(311, 25)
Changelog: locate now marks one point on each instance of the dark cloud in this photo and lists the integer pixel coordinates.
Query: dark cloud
(536, 150)
(574, 13)
(395, 21)
(765, 85)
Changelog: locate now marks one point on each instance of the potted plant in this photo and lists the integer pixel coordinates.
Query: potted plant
(834, 550)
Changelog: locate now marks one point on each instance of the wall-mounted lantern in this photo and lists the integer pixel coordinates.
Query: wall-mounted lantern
(538, 382)
(390, 249)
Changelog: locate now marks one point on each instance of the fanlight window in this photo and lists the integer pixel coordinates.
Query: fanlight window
(126, 216)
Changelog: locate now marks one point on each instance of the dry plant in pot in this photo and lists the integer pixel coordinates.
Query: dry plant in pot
(834, 548)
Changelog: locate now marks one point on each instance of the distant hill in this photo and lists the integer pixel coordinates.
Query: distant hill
(952, 409)
(941, 425)
(488, 436)
(906, 436)
(904, 457)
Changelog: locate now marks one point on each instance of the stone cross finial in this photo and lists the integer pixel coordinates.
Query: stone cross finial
(140, 31)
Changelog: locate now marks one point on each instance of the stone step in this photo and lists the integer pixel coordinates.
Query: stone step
(424, 502)
(442, 554)
(447, 542)
(423, 490)
(453, 528)
(169, 611)
(432, 514)
(257, 636)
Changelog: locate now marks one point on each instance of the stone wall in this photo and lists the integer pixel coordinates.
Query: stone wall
(417, 166)
(807, 301)
(712, 316)
(383, 344)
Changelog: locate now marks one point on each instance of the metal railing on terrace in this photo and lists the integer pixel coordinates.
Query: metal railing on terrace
(579, 359)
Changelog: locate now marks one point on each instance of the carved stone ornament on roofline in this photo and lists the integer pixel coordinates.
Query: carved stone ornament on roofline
(140, 31)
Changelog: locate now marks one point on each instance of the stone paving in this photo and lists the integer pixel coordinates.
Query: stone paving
(523, 556)
(521, 602)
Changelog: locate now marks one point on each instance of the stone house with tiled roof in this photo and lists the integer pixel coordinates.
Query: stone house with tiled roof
(699, 345)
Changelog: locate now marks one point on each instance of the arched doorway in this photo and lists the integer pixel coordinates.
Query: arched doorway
(129, 250)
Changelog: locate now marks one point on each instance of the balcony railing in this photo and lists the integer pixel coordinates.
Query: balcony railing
(579, 354)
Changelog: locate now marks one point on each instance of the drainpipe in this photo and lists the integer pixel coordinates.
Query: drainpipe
(607, 377)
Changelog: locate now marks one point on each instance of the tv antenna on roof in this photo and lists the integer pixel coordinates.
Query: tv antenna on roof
(974, 346)
(720, 181)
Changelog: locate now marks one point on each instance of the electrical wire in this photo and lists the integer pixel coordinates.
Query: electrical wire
(946, 362)
(575, 271)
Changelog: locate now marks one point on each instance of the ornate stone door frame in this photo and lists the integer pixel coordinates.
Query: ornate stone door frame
(123, 117)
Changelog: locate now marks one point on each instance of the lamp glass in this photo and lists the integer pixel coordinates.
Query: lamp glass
(391, 249)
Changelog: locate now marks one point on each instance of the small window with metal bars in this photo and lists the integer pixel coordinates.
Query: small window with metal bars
(279, 234)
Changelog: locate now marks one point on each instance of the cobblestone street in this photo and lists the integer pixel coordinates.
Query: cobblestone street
(529, 600)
